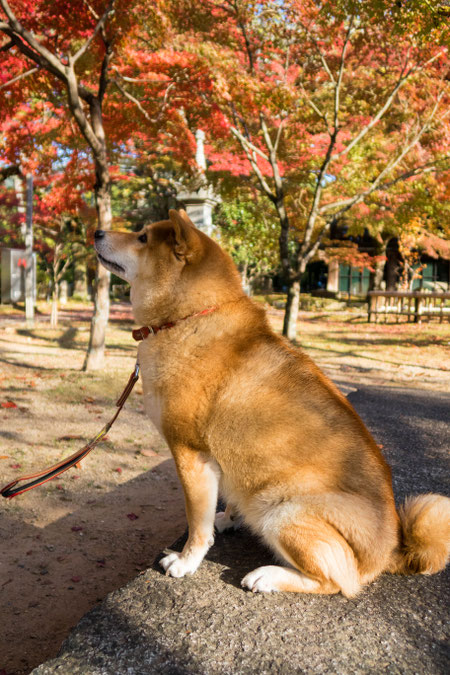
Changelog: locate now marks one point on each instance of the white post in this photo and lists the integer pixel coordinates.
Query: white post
(29, 299)
(200, 150)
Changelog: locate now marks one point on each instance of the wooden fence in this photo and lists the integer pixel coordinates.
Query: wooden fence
(415, 305)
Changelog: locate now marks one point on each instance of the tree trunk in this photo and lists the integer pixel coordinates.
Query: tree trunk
(80, 286)
(54, 314)
(243, 269)
(377, 276)
(291, 311)
(96, 349)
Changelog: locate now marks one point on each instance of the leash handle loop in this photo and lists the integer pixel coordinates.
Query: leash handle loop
(39, 478)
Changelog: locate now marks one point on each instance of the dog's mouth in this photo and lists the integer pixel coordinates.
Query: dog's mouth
(109, 263)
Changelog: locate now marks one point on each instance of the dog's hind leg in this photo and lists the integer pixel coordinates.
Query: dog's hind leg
(322, 561)
(200, 480)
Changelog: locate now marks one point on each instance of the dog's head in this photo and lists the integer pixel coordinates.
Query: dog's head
(173, 268)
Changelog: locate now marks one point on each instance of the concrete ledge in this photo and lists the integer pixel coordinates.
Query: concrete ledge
(207, 624)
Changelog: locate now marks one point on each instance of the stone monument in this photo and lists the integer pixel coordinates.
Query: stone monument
(200, 200)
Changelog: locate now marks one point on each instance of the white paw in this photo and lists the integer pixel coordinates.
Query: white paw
(223, 522)
(177, 565)
(262, 580)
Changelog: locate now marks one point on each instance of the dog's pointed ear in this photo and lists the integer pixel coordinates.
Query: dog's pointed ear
(186, 240)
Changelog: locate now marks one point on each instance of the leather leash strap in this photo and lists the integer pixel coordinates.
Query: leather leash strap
(36, 479)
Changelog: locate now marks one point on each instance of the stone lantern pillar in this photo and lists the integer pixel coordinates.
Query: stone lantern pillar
(200, 201)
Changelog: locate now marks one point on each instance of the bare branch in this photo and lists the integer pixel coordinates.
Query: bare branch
(19, 77)
(314, 211)
(137, 80)
(417, 171)
(316, 109)
(27, 43)
(91, 9)
(278, 137)
(251, 156)
(30, 53)
(266, 134)
(337, 89)
(7, 45)
(100, 25)
(346, 204)
(399, 84)
(315, 247)
(305, 250)
(134, 100)
(103, 82)
(250, 145)
(319, 51)
(273, 158)
(39, 53)
(137, 103)
(78, 112)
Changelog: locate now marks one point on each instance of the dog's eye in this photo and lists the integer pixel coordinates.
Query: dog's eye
(143, 238)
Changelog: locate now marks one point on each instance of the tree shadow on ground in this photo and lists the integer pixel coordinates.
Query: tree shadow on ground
(68, 340)
(382, 359)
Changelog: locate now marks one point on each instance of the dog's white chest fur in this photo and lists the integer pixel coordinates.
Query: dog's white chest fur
(153, 400)
(153, 405)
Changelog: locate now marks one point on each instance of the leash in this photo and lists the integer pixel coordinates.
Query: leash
(13, 489)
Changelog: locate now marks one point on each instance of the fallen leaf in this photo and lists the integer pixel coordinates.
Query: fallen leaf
(88, 399)
(76, 528)
(148, 453)
(75, 579)
(132, 516)
(8, 404)
(15, 466)
(118, 470)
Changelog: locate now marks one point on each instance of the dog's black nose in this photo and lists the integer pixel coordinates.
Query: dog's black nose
(99, 234)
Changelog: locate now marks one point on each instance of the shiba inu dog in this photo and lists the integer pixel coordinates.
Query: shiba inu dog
(246, 414)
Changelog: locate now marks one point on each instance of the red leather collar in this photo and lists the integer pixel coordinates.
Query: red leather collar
(143, 332)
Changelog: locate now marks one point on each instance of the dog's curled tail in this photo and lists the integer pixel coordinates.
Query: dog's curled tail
(425, 547)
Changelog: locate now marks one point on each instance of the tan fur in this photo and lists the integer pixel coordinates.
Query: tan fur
(247, 414)
(425, 545)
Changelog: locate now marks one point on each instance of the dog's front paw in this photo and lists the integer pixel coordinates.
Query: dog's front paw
(262, 580)
(223, 521)
(177, 565)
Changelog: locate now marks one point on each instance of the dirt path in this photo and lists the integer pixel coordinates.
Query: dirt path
(65, 545)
